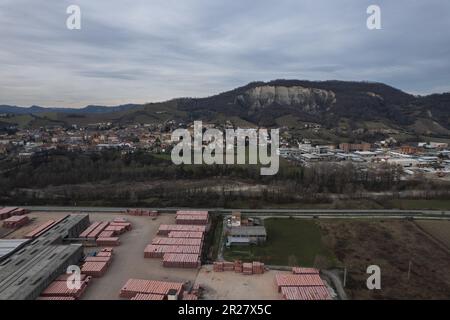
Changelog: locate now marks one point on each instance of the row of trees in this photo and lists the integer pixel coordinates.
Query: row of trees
(291, 183)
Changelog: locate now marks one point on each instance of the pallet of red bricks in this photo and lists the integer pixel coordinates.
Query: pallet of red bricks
(96, 266)
(192, 217)
(134, 287)
(138, 289)
(142, 212)
(15, 222)
(58, 289)
(7, 212)
(41, 229)
(180, 245)
(237, 266)
(106, 233)
(302, 284)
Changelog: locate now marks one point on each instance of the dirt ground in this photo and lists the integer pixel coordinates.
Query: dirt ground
(439, 229)
(391, 245)
(229, 285)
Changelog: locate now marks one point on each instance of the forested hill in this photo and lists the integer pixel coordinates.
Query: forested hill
(340, 107)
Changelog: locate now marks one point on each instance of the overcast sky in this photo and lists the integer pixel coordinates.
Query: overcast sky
(151, 50)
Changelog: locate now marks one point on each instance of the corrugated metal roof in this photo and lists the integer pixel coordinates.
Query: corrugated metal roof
(7, 246)
(248, 231)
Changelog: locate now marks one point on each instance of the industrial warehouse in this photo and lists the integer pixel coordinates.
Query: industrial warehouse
(136, 254)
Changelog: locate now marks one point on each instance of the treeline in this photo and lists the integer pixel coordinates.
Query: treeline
(293, 182)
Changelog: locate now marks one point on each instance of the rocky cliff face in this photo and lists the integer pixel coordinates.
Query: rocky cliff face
(308, 99)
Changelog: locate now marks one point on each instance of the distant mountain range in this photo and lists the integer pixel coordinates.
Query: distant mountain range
(87, 109)
(342, 110)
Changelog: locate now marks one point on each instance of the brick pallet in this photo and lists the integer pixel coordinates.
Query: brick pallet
(60, 289)
(191, 220)
(15, 222)
(94, 233)
(41, 229)
(300, 270)
(306, 293)
(157, 251)
(218, 266)
(298, 280)
(89, 229)
(177, 241)
(176, 260)
(237, 266)
(135, 286)
(104, 254)
(228, 266)
(140, 212)
(189, 296)
(7, 212)
(164, 229)
(52, 298)
(111, 241)
(99, 259)
(65, 276)
(148, 296)
(258, 267)
(94, 269)
(186, 234)
(106, 234)
(247, 268)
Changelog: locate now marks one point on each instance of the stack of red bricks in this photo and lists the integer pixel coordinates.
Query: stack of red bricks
(106, 233)
(97, 266)
(221, 266)
(237, 266)
(303, 284)
(184, 242)
(133, 287)
(15, 222)
(142, 212)
(228, 266)
(192, 217)
(218, 266)
(247, 268)
(59, 289)
(258, 267)
(7, 212)
(41, 229)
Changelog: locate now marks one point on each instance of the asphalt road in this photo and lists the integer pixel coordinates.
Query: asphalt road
(307, 213)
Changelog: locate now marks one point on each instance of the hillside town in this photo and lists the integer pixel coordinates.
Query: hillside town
(429, 158)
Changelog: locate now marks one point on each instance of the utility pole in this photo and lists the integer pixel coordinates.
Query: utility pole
(409, 269)
(345, 276)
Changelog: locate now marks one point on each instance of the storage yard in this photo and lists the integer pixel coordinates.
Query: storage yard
(148, 255)
(128, 260)
(137, 254)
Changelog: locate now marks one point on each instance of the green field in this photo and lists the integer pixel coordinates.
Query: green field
(289, 242)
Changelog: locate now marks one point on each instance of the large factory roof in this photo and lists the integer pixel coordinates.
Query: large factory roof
(29, 270)
(7, 246)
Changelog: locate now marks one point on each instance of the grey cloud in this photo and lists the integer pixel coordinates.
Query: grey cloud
(149, 50)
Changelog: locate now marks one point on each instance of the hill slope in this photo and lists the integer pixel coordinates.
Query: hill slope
(341, 108)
